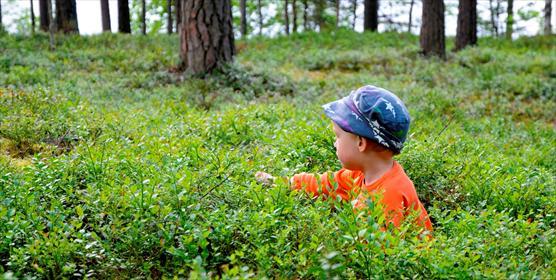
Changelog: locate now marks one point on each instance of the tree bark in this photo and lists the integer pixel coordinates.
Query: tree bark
(286, 17)
(371, 15)
(66, 16)
(32, 18)
(43, 14)
(354, 13)
(207, 36)
(337, 13)
(143, 17)
(260, 12)
(409, 25)
(510, 20)
(319, 13)
(243, 23)
(547, 17)
(169, 21)
(51, 24)
(466, 33)
(432, 38)
(305, 15)
(124, 25)
(294, 15)
(493, 21)
(105, 14)
(1, 25)
(179, 4)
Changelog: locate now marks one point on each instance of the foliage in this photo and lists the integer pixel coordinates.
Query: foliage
(158, 175)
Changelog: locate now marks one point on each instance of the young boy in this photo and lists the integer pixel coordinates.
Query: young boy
(370, 125)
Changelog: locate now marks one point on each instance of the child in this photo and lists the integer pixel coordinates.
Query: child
(370, 125)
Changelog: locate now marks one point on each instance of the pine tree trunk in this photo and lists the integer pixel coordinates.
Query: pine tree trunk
(169, 21)
(207, 35)
(493, 21)
(294, 14)
(143, 17)
(51, 24)
(243, 22)
(337, 13)
(371, 15)
(466, 33)
(179, 5)
(260, 12)
(510, 20)
(409, 25)
(432, 38)
(286, 17)
(43, 14)
(124, 25)
(105, 14)
(319, 13)
(32, 18)
(305, 15)
(354, 13)
(1, 25)
(547, 17)
(66, 16)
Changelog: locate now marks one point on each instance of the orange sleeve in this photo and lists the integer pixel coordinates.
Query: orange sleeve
(344, 183)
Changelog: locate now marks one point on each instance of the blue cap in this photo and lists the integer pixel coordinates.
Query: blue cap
(374, 113)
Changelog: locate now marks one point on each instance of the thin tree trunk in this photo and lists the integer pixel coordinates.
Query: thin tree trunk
(493, 18)
(337, 13)
(294, 14)
(371, 15)
(409, 25)
(66, 16)
(143, 17)
(32, 18)
(206, 44)
(286, 17)
(43, 14)
(51, 24)
(243, 19)
(169, 22)
(466, 33)
(1, 26)
(124, 25)
(510, 20)
(354, 12)
(260, 11)
(547, 17)
(305, 15)
(179, 4)
(432, 39)
(105, 14)
(319, 13)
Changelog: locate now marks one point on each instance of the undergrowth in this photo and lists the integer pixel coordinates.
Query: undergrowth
(112, 165)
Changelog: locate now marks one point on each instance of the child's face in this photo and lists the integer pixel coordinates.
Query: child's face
(347, 150)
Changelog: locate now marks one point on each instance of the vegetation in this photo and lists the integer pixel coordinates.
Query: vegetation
(113, 165)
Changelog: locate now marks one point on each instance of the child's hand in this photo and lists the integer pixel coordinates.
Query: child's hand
(264, 178)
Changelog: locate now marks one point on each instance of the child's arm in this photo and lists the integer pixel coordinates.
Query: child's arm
(342, 183)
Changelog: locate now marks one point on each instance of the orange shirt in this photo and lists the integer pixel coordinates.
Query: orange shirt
(398, 193)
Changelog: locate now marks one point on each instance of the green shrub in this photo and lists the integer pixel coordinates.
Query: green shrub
(157, 179)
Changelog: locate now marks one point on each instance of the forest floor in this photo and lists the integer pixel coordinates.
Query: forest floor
(112, 165)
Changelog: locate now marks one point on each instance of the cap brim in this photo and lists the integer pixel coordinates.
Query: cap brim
(339, 112)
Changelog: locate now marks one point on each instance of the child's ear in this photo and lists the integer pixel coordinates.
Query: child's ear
(362, 143)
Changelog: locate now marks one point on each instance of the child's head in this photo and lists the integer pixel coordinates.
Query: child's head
(373, 117)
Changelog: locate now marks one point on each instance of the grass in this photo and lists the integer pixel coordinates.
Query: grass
(114, 166)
